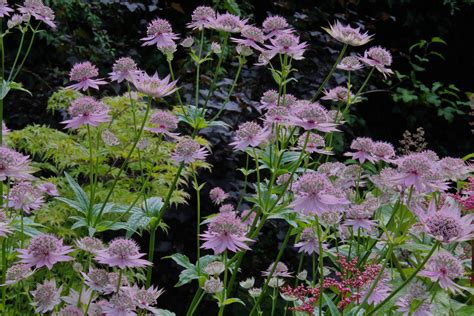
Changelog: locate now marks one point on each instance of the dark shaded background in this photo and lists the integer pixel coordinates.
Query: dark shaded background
(102, 31)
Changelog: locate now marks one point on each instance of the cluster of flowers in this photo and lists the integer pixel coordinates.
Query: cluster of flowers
(30, 8)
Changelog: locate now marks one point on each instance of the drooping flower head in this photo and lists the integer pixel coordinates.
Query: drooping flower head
(124, 68)
(17, 19)
(350, 63)
(90, 244)
(363, 147)
(17, 273)
(286, 44)
(378, 57)
(281, 270)
(84, 74)
(87, 111)
(45, 250)
(202, 18)
(26, 197)
(14, 165)
(347, 34)
(252, 37)
(214, 268)
(228, 23)
(145, 298)
(454, 168)
(39, 11)
(5, 10)
(46, 296)
(309, 242)
(188, 150)
(163, 122)
(275, 25)
(159, 33)
(315, 144)
(339, 94)
(122, 253)
(49, 188)
(314, 194)
(416, 296)
(225, 232)
(309, 116)
(446, 223)
(249, 134)
(154, 86)
(218, 195)
(444, 268)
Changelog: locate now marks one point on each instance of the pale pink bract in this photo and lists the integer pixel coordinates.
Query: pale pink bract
(122, 253)
(159, 33)
(87, 111)
(84, 74)
(45, 250)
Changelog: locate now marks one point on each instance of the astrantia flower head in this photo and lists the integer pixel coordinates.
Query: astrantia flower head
(18, 272)
(216, 48)
(444, 268)
(5, 228)
(71, 310)
(87, 111)
(49, 188)
(225, 231)
(416, 296)
(446, 223)
(275, 25)
(339, 94)
(79, 298)
(120, 304)
(5, 10)
(359, 215)
(90, 244)
(281, 270)
(99, 280)
(315, 194)
(26, 197)
(350, 63)
(379, 293)
(159, 33)
(46, 296)
(277, 115)
(122, 253)
(252, 36)
(378, 57)
(45, 250)
(84, 74)
(309, 116)
(124, 68)
(214, 268)
(187, 42)
(187, 150)
(247, 283)
(269, 99)
(109, 138)
(213, 286)
(249, 134)
(286, 44)
(454, 168)
(39, 11)
(309, 242)
(14, 165)
(226, 208)
(363, 147)
(163, 122)
(228, 23)
(202, 18)
(145, 298)
(383, 151)
(218, 195)
(314, 144)
(154, 86)
(347, 34)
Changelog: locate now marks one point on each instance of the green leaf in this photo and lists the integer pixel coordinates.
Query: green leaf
(437, 39)
(181, 260)
(332, 307)
(153, 205)
(81, 196)
(165, 312)
(232, 7)
(233, 300)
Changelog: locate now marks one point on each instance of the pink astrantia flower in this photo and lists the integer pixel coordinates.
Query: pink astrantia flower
(26, 197)
(14, 165)
(218, 195)
(446, 223)
(109, 138)
(124, 68)
(277, 115)
(315, 144)
(188, 150)
(120, 304)
(5, 228)
(286, 44)
(350, 63)
(339, 94)
(73, 310)
(45, 250)
(163, 122)
(252, 37)
(226, 208)
(5, 10)
(82, 298)
(347, 34)
(87, 111)
(454, 168)
(270, 99)
(225, 232)
(309, 242)
(309, 116)
(379, 293)
(145, 298)
(275, 25)
(122, 253)
(228, 23)
(46, 296)
(84, 74)
(202, 18)
(383, 151)
(159, 33)
(17, 273)
(17, 19)
(358, 216)
(314, 194)
(39, 11)
(281, 270)
(154, 86)
(416, 294)
(49, 188)
(444, 268)
(90, 244)
(249, 134)
(363, 147)
(378, 57)
(99, 280)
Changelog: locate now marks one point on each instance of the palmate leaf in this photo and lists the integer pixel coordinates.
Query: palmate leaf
(190, 272)
(81, 196)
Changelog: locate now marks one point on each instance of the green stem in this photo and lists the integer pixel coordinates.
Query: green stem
(91, 175)
(26, 54)
(224, 293)
(198, 69)
(321, 266)
(151, 254)
(119, 281)
(195, 302)
(20, 47)
(198, 222)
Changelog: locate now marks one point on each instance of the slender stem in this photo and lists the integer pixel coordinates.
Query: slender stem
(20, 48)
(195, 302)
(408, 280)
(274, 299)
(321, 87)
(198, 68)
(224, 293)
(151, 254)
(198, 222)
(321, 265)
(91, 175)
(26, 54)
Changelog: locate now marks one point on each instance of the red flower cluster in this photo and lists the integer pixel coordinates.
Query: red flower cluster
(465, 196)
(347, 285)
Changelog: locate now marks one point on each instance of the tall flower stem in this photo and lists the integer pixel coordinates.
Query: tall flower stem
(198, 69)
(321, 87)
(408, 280)
(119, 281)
(195, 302)
(91, 175)
(198, 221)
(151, 254)
(224, 293)
(28, 50)
(321, 265)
